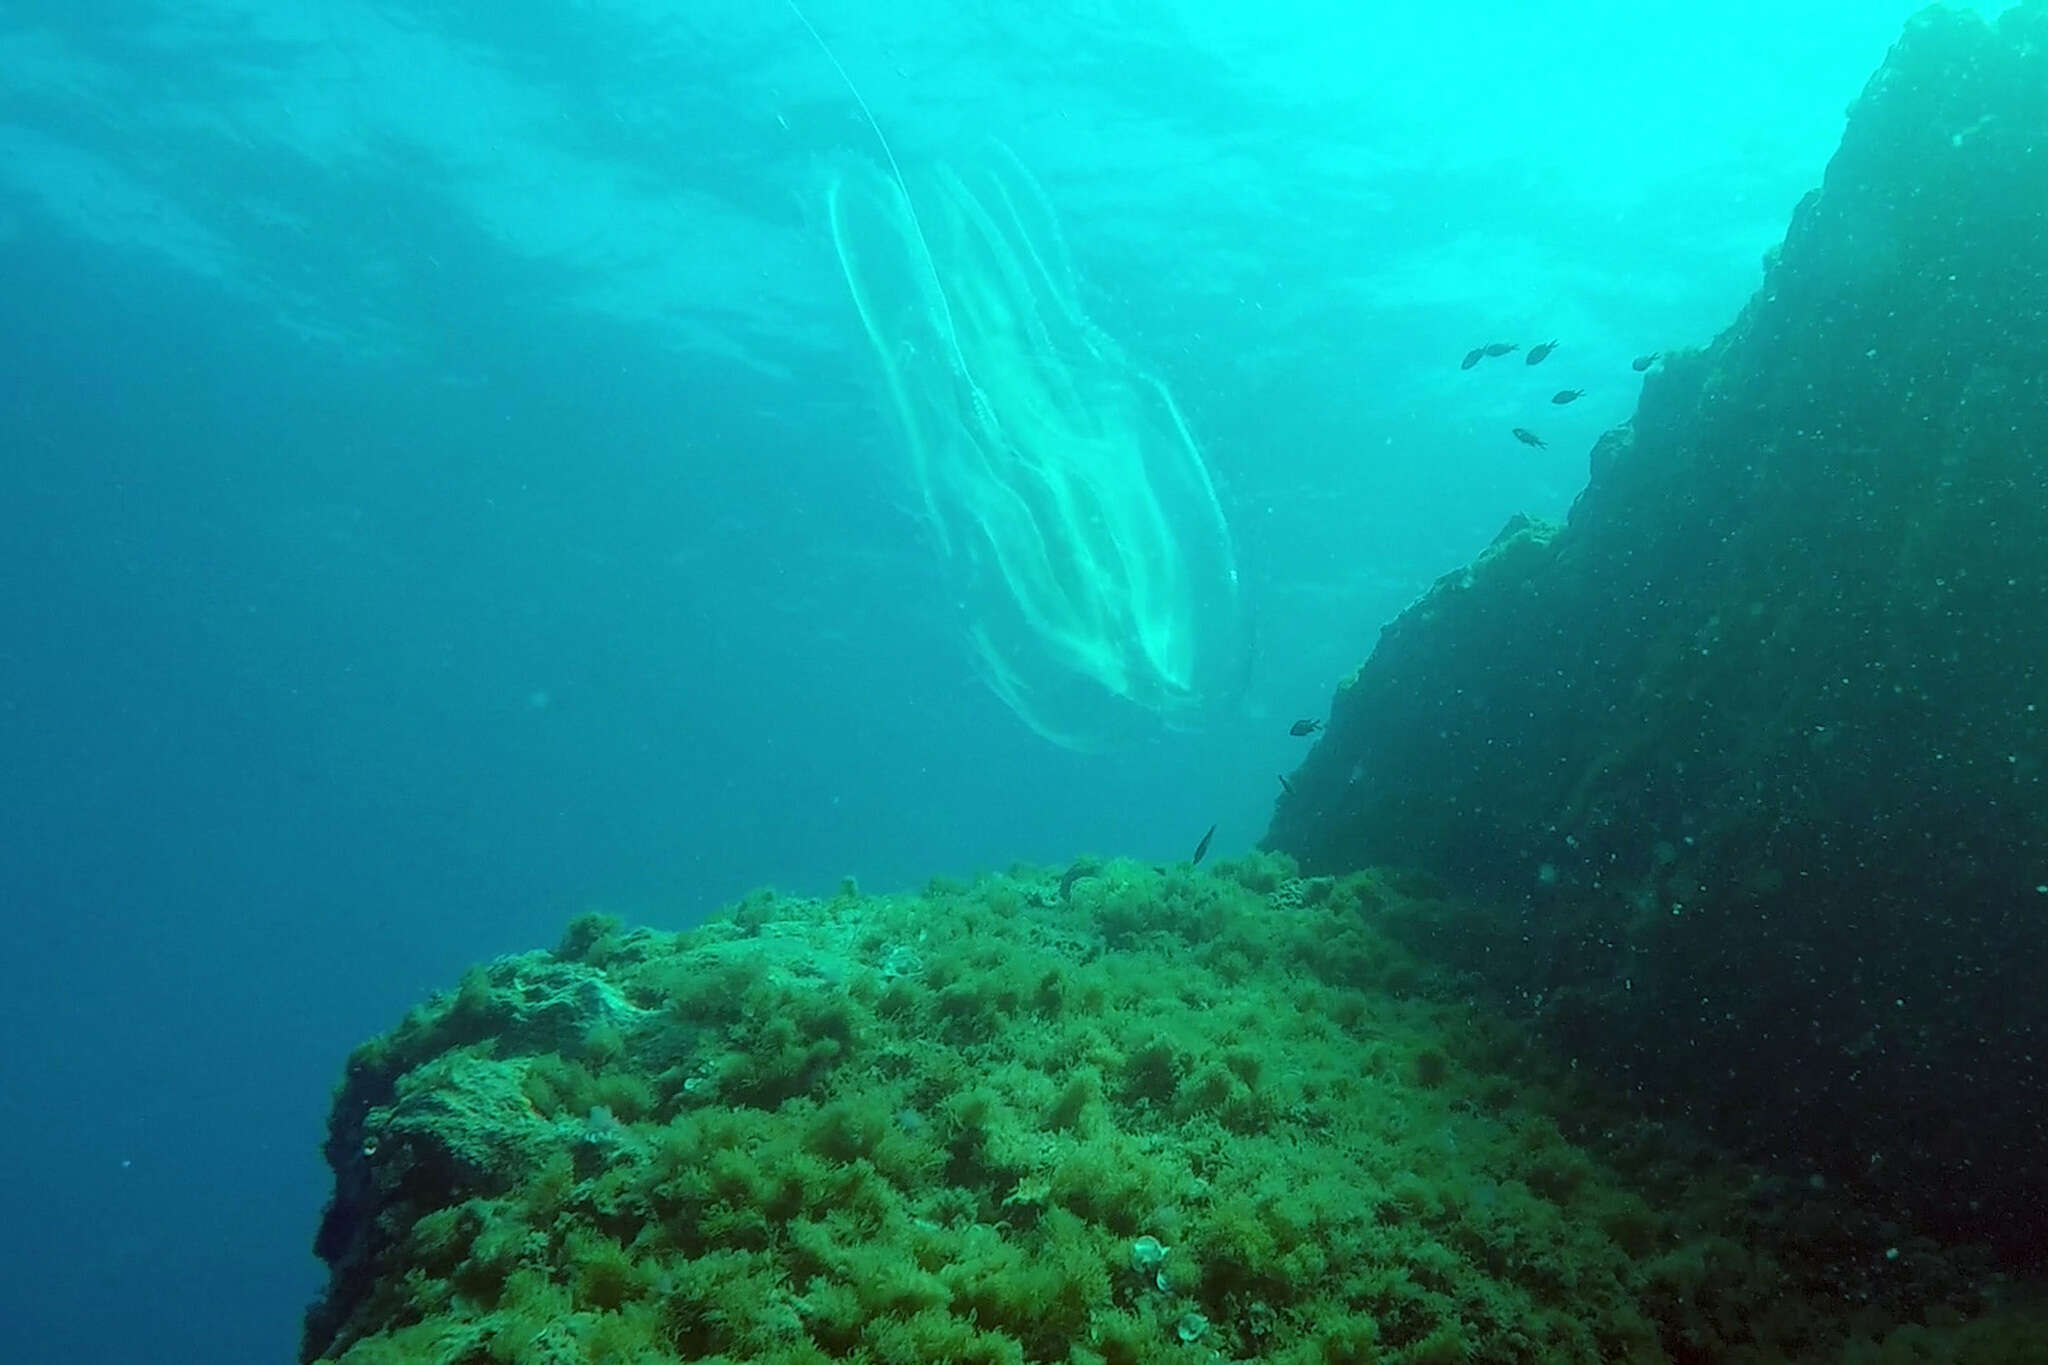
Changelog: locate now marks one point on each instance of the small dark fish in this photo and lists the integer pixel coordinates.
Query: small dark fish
(1472, 357)
(1304, 727)
(1567, 396)
(1081, 867)
(1644, 362)
(1500, 348)
(1537, 353)
(1529, 438)
(1203, 847)
(1285, 785)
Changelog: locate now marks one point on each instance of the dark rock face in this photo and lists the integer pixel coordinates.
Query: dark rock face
(1751, 752)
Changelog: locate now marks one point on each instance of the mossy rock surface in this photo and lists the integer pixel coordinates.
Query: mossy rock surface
(1129, 1114)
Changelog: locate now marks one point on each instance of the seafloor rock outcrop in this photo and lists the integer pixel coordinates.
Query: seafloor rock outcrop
(1751, 751)
(1135, 1115)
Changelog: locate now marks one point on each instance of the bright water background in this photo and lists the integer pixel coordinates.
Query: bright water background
(444, 489)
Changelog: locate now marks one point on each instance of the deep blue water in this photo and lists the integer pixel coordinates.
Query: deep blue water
(447, 488)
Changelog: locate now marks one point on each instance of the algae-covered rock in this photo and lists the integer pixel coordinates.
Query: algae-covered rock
(1751, 752)
(1140, 1115)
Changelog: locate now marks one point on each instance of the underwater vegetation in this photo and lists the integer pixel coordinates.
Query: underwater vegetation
(1059, 480)
(1121, 1115)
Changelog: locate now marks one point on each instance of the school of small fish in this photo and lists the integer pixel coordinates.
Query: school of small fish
(1492, 350)
(1536, 355)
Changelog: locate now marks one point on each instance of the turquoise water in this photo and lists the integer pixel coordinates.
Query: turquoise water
(451, 486)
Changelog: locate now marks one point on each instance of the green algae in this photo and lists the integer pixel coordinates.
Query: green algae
(1171, 1116)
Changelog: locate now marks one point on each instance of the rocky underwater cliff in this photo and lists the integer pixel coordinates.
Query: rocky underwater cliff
(1749, 755)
